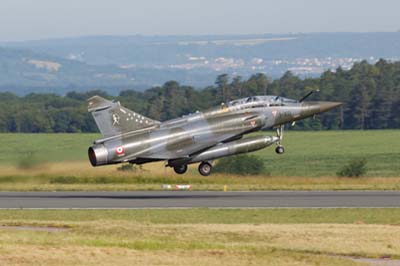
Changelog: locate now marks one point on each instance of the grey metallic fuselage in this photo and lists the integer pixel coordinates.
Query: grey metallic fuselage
(205, 135)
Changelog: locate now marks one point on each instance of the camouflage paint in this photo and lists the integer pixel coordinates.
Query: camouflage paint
(131, 137)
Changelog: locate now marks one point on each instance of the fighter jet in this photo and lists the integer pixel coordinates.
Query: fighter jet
(200, 137)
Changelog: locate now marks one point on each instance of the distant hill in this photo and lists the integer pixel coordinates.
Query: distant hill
(152, 50)
(113, 63)
(23, 71)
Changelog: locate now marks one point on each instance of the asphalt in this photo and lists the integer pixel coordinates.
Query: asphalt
(208, 199)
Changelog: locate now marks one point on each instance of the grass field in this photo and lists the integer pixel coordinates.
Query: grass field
(45, 147)
(198, 236)
(59, 162)
(319, 153)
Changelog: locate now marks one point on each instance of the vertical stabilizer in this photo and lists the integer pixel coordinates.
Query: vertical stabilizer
(113, 119)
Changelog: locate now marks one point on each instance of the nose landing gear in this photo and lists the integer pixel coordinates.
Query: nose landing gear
(279, 132)
(279, 149)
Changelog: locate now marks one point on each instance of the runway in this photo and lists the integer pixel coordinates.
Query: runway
(197, 199)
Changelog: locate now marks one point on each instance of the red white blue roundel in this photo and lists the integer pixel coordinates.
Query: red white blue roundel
(120, 150)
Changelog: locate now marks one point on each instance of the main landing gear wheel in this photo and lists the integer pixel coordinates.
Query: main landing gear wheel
(279, 149)
(205, 168)
(181, 169)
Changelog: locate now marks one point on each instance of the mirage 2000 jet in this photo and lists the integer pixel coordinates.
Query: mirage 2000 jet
(199, 137)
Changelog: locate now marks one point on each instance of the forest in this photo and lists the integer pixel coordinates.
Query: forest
(370, 92)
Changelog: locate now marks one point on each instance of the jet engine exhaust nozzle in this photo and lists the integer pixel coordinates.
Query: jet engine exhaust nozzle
(98, 155)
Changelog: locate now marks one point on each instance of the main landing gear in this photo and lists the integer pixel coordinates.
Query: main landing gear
(205, 168)
(180, 169)
(279, 132)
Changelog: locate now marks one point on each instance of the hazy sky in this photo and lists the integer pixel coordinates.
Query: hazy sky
(37, 19)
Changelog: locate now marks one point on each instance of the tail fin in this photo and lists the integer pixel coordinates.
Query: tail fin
(113, 119)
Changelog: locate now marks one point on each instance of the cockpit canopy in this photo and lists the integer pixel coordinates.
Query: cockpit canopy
(260, 101)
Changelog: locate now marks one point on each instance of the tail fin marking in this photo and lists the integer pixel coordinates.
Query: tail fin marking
(113, 119)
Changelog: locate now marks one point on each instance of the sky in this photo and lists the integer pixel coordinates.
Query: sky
(43, 19)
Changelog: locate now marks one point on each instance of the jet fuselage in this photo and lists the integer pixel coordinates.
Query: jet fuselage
(202, 136)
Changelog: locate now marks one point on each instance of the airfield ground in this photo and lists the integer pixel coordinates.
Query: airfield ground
(201, 236)
(198, 236)
(59, 162)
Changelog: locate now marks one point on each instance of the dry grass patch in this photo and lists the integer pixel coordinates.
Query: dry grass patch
(81, 176)
(70, 255)
(199, 237)
(352, 239)
(105, 242)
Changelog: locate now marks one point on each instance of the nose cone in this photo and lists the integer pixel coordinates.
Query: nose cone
(325, 106)
(312, 108)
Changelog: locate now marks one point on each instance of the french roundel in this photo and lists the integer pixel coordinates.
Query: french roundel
(120, 150)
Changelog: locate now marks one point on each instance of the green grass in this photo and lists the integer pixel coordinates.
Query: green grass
(312, 159)
(308, 154)
(323, 153)
(45, 147)
(212, 216)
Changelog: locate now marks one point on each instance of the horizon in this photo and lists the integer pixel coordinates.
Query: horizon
(194, 35)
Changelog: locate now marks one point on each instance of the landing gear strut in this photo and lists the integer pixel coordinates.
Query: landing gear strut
(279, 132)
(205, 168)
(181, 169)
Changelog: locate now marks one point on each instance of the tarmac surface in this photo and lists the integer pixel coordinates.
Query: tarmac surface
(207, 199)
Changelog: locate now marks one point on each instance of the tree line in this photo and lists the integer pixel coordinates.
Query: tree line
(371, 93)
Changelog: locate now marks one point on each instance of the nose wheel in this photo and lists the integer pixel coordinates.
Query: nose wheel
(279, 132)
(279, 149)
